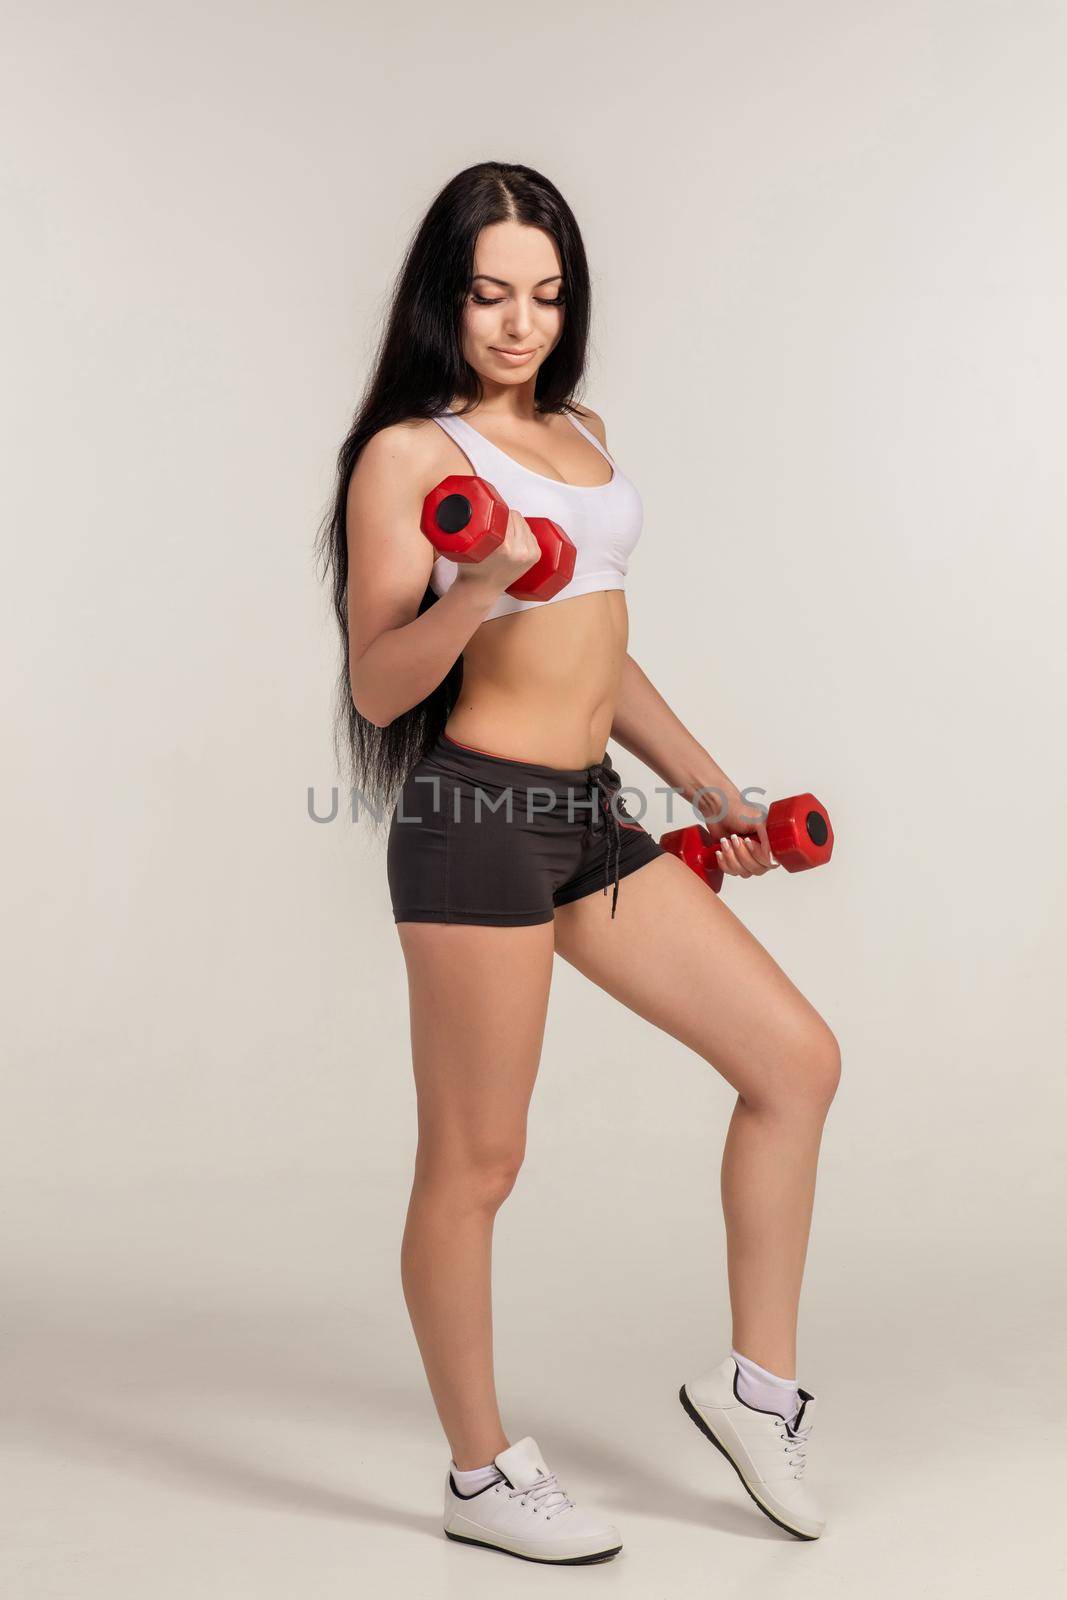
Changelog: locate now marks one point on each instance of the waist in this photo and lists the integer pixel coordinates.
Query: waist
(494, 772)
(543, 684)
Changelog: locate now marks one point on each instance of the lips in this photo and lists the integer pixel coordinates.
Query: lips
(512, 355)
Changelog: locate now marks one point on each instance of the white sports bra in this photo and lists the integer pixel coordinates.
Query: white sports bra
(603, 520)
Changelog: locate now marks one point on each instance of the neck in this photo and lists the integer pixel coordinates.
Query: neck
(508, 403)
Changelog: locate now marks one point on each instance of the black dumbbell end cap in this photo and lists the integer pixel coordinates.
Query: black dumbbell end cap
(815, 823)
(454, 513)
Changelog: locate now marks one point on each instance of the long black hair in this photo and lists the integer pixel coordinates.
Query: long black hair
(418, 370)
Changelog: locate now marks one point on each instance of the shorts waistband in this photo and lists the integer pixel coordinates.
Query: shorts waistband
(556, 778)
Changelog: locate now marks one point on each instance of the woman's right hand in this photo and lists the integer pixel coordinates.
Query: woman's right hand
(518, 553)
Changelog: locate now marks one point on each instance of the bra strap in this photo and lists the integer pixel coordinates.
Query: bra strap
(590, 436)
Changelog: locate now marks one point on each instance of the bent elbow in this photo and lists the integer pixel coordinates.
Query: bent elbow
(372, 716)
(368, 712)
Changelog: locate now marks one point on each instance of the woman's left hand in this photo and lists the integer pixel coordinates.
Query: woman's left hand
(741, 856)
(741, 844)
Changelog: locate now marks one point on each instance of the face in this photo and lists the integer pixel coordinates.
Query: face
(514, 304)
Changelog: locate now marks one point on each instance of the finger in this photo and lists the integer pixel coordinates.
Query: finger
(747, 865)
(751, 850)
(749, 853)
(732, 859)
(772, 859)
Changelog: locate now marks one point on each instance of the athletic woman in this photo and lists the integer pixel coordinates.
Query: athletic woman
(478, 721)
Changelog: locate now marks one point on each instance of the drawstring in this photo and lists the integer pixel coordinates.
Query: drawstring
(606, 781)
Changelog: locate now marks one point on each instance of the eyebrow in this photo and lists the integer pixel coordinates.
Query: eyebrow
(504, 284)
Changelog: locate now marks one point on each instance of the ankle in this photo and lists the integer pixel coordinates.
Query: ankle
(764, 1390)
(481, 1456)
(475, 1480)
(776, 1357)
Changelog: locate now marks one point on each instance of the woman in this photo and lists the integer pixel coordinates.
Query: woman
(456, 694)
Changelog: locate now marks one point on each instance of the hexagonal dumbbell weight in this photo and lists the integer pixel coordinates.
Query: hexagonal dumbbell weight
(465, 519)
(798, 830)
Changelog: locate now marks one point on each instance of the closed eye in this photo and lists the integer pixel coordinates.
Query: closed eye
(481, 300)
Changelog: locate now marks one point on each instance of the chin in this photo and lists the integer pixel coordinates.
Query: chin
(508, 375)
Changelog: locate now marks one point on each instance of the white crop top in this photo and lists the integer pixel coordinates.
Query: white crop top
(603, 521)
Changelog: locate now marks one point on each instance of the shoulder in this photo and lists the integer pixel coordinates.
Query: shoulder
(394, 472)
(408, 452)
(594, 423)
(406, 442)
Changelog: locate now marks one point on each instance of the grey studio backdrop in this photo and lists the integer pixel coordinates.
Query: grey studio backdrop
(828, 250)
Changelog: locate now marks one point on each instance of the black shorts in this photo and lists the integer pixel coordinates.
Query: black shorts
(476, 837)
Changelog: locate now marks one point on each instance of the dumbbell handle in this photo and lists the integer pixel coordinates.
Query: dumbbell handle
(798, 831)
(466, 519)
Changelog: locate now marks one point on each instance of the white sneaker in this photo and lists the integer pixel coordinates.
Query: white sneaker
(767, 1454)
(528, 1515)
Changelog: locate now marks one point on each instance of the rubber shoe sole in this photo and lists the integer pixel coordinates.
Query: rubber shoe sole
(550, 1561)
(691, 1411)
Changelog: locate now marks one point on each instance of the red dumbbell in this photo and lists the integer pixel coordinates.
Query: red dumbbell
(798, 831)
(465, 519)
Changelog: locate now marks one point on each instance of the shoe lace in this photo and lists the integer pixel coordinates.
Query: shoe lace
(794, 1442)
(545, 1491)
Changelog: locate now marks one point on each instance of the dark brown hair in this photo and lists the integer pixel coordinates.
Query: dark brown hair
(418, 370)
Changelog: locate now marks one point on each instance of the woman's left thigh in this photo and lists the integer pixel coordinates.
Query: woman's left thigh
(678, 956)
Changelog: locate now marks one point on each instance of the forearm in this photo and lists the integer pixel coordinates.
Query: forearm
(645, 725)
(404, 665)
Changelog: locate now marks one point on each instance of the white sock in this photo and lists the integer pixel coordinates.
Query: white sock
(764, 1391)
(475, 1478)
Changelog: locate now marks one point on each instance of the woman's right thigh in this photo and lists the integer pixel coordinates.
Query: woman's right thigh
(478, 998)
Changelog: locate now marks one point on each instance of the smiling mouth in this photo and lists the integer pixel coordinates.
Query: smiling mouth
(501, 352)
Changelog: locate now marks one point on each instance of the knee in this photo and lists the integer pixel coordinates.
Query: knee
(801, 1075)
(480, 1179)
(490, 1182)
(815, 1068)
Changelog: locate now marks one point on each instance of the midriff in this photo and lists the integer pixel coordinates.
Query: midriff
(541, 685)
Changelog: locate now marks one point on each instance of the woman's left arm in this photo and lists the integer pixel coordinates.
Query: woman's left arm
(645, 725)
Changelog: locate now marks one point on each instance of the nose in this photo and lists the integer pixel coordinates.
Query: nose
(519, 321)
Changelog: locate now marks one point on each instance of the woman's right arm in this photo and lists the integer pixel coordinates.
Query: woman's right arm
(396, 657)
